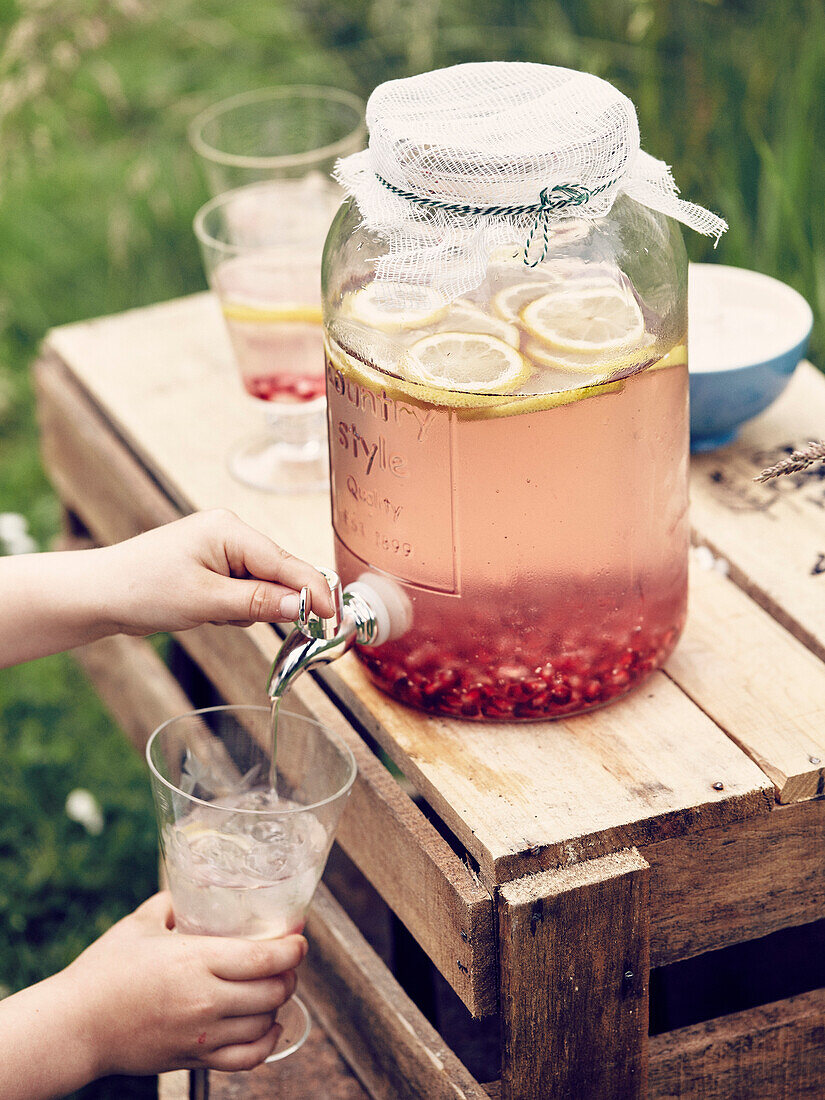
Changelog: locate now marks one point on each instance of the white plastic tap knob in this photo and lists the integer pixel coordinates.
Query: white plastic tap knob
(389, 604)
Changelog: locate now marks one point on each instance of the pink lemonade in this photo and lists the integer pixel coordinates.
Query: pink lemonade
(541, 538)
(274, 322)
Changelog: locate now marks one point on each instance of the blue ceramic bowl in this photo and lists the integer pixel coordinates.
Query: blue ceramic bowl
(746, 334)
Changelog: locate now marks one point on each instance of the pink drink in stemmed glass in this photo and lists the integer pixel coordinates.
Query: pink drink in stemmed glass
(270, 304)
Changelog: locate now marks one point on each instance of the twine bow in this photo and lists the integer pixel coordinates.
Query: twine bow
(554, 198)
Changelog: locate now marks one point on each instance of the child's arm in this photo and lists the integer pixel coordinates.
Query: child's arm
(208, 567)
(142, 1000)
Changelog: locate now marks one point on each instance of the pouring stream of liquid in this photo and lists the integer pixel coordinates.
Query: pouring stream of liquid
(273, 763)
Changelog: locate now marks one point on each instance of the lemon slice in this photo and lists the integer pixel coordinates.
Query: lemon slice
(466, 362)
(465, 316)
(509, 303)
(362, 306)
(598, 320)
(604, 362)
(507, 255)
(284, 314)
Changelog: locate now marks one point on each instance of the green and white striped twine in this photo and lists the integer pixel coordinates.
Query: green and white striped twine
(559, 197)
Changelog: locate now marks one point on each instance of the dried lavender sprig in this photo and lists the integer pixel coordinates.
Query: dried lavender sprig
(799, 460)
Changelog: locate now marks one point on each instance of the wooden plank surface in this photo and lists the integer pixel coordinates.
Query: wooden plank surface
(738, 882)
(530, 796)
(519, 797)
(134, 685)
(756, 681)
(390, 1045)
(774, 1052)
(574, 981)
(94, 475)
(772, 534)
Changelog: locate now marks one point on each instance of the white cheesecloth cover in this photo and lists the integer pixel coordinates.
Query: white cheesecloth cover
(464, 159)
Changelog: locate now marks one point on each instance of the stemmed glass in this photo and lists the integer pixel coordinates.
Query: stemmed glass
(267, 156)
(241, 860)
(261, 247)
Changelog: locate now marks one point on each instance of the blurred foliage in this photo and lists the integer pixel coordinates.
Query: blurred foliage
(97, 192)
(59, 885)
(731, 93)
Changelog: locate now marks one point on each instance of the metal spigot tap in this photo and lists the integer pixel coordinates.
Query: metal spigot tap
(359, 615)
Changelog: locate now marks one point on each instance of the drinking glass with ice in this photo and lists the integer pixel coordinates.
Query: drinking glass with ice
(243, 858)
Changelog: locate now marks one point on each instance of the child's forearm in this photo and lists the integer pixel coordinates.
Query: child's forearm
(46, 1047)
(51, 602)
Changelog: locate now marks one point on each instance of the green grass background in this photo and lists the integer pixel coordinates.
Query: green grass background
(97, 193)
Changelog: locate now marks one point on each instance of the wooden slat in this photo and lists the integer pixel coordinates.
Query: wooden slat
(745, 880)
(134, 685)
(88, 466)
(393, 1049)
(580, 1030)
(772, 534)
(174, 1085)
(530, 796)
(774, 1052)
(756, 681)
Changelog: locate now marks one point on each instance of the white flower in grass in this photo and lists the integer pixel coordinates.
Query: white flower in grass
(83, 807)
(12, 524)
(14, 534)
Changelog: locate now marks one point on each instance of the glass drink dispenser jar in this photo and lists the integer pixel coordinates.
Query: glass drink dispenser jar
(505, 316)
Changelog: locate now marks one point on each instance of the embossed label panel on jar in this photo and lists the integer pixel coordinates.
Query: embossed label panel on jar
(391, 469)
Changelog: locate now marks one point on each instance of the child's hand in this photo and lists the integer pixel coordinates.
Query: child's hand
(153, 1000)
(208, 567)
(143, 999)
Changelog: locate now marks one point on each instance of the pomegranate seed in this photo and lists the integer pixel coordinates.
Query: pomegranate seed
(561, 693)
(592, 690)
(512, 673)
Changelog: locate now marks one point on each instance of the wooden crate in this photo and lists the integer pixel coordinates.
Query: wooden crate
(581, 852)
